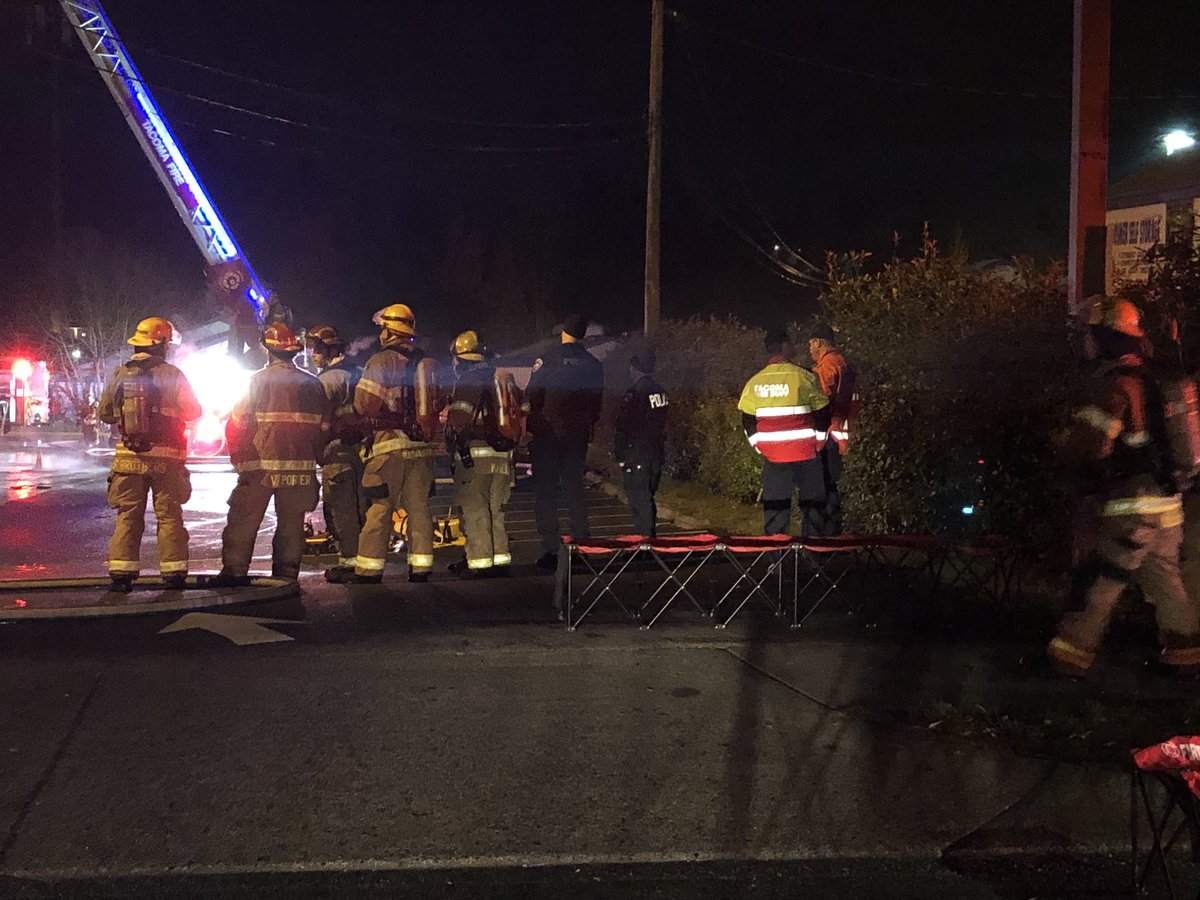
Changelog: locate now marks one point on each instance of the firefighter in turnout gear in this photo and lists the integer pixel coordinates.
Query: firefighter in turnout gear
(397, 394)
(276, 435)
(151, 403)
(839, 383)
(1119, 445)
(341, 466)
(565, 392)
(783, 415)
(638, 441)
(481, 453)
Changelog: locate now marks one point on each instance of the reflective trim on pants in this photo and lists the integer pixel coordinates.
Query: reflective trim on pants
(172, 568)
(248, 505)
(129, 493)
(390, 481)
(485, 563)
(366, 565)
(347, 562)
(502, 559)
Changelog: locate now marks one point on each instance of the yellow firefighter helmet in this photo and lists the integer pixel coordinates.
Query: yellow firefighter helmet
(280, 338)
(1121, 315)
(468, 346)
(398, 319)
(152, 332)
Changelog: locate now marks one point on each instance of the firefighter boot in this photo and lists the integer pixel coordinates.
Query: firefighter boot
(226, 579)
(121, 584)
(340, 574)
(176, 581)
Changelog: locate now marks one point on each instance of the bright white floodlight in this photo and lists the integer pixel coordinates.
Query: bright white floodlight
(1177, 140)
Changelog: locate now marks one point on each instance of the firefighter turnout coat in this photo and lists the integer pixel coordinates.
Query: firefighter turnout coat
(397, 395)
(1118, 441)
(342, 467)
(159, 469)
(482, 487)
(276, 435)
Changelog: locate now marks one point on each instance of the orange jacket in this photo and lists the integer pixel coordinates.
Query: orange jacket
(840, 384)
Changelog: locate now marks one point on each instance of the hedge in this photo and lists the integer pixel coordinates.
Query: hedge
(964, 380)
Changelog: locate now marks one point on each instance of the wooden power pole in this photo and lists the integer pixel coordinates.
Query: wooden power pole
(652, 296)
(1089, 151)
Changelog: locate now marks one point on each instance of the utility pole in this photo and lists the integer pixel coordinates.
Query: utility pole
(652, 294)
(1089, 151)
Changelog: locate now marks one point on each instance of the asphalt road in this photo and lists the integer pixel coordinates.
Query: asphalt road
(452, 740)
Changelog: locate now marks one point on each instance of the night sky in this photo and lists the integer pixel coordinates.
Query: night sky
(400, 173)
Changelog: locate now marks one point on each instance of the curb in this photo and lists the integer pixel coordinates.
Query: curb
(687, 523)
(156, 601)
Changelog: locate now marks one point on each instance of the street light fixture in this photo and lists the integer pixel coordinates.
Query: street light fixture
(1177, 140)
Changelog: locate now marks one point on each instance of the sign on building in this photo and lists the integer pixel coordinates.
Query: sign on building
(1131, 233)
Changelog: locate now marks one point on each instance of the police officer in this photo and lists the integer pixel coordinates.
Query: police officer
(151, 403)
(397, 394)
(1119, 442)
(565, 392)
(276, 435)
(342, 466)
(638, 441)
(780, 409)
(481, 458)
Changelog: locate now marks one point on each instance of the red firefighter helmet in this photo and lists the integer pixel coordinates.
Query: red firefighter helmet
(280, 338)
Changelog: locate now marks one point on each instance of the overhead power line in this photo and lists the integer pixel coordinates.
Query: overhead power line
(370, 136)
(900, 81)
(342, 102)
(714, 126)
(689, 22)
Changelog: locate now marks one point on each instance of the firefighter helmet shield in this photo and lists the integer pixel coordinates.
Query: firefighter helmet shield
(324, 334)
(281, 339)
(153, 332)
(468, 346)
(1121, 315)
(398, 319)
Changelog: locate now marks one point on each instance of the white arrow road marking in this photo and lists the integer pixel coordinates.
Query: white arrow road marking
(241, 630)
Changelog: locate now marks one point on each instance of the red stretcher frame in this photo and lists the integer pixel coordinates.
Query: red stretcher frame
(760, 563)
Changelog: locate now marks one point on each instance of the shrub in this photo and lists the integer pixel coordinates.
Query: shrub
(702, 364)
(964, 380)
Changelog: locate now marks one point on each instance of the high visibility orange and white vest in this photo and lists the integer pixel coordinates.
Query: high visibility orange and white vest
(784, 398)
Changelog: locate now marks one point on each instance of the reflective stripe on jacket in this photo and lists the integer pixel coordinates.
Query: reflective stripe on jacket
(178, 406)
(379, 392)
(282, 423)
(839, 383)
(783, 399)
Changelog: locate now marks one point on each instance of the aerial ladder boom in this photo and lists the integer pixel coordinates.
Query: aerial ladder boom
(228, 267)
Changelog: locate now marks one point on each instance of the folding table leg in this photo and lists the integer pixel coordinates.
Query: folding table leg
(681, 586)
(756, 584)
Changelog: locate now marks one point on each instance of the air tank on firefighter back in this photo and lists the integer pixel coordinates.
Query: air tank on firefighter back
(1181, 407)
